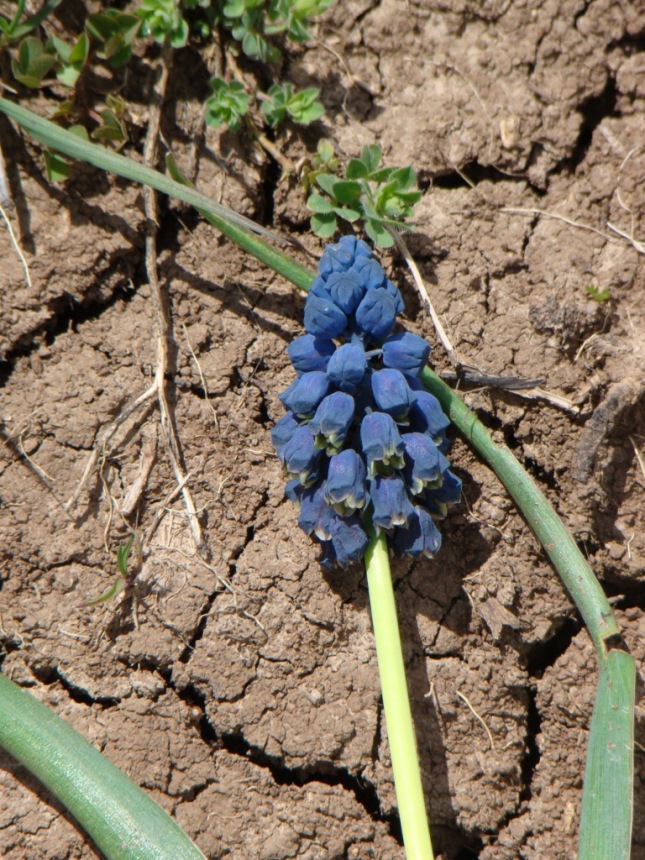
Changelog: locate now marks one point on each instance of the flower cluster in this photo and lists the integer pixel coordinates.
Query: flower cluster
(362, 439)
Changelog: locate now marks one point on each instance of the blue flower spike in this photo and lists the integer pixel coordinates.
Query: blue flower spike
(362, 443)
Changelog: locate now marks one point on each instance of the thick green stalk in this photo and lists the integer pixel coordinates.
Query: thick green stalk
(554, 536)
(396, 703)
(124, 822)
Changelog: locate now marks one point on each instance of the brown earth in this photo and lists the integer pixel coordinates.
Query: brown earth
(239, 685)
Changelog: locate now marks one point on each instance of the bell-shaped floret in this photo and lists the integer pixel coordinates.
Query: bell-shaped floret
(300, 456)
(323, 318)
(347, 367)
(332, 420)
(392, 393)
(308, 353)
(304, 395)
(426, 416)
(422, 462)
(346, 290)
(292, 491)
(390, 501)
(346, 489)
(376, 314)
(449, 493)
(314, 511)
(406, 352)
(284, 430)
(420, 537)
(340, 256)
(381, 442)
(348, 538)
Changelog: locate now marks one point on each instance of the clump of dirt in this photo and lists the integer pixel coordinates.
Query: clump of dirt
(237, 681)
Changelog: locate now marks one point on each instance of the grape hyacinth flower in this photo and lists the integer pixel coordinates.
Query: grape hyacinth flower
(362, 442)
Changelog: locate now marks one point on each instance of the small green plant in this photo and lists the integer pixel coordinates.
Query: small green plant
(598, 295)
(71, 58)
(382, 197)
(282, 102)
(228, 104)
(253, 24)
(114, 33)
(33, 62)
(162, 19)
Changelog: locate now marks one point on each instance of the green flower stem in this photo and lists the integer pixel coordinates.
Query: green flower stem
(556, 539)
(124, 822)
(396, 703)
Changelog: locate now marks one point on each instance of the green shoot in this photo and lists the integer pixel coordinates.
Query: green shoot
(382, 197)
(113, 127)
(282, 102)
(324, 161)
(123, 578)
(12, 29)
(32, 63)
(162, 19)
(114, 33)
(228, 104)
(598, 295)
(72, 58)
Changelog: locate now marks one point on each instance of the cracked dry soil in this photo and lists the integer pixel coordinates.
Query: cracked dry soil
(242, 693)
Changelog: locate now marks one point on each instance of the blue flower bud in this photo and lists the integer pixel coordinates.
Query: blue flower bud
(341, 256)
(323, 318)
(332, 420)
(426, 416)
(348, 539)
(300, 456)
(314, 511)
(422, 462)
(347, 367)
(304, 395)
(406, 352)
(381, 442)
(346, 482)
(371, 273)
(319, 288)
(284, 430)
(346, 290)
(309, 353)
(392, 393)
(376, 314)
(390, 501)
(420, 537)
